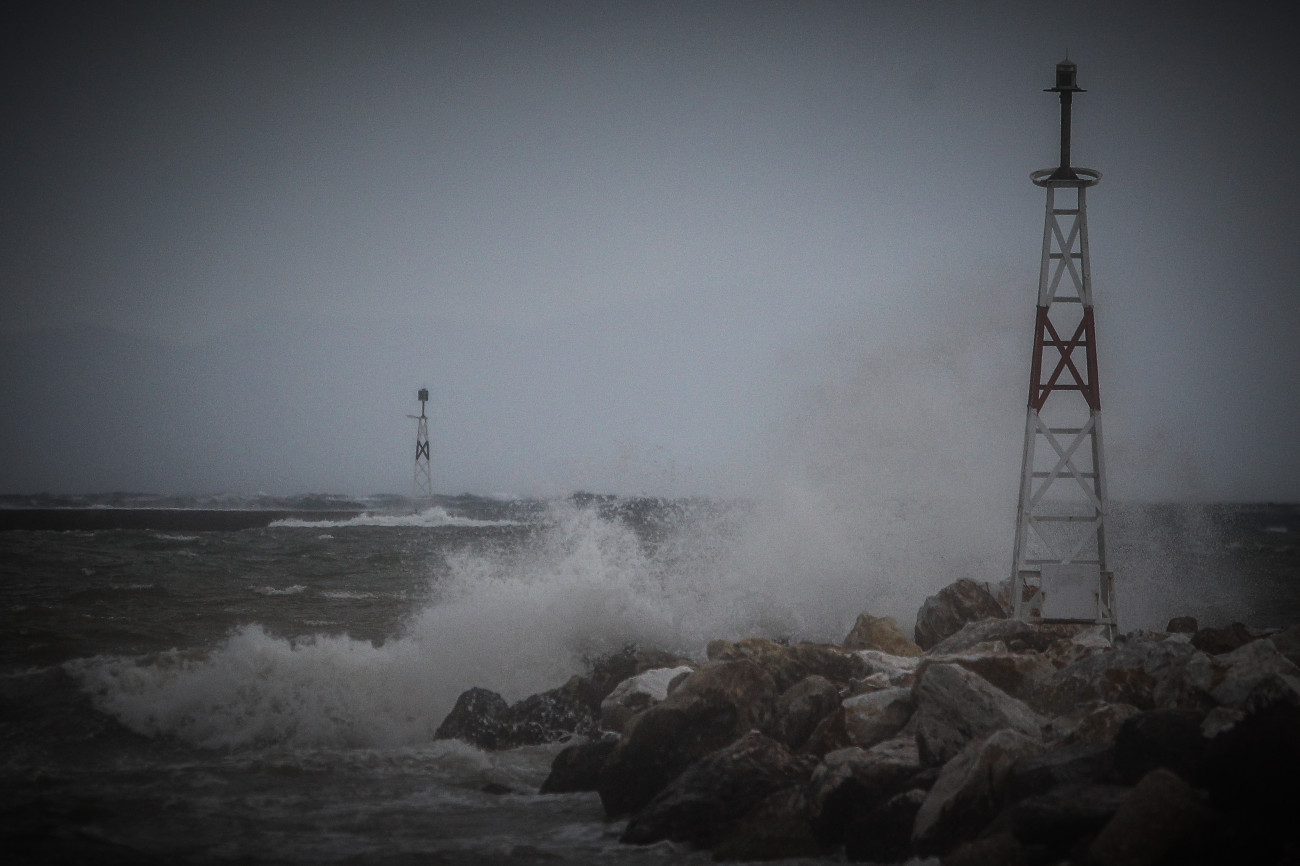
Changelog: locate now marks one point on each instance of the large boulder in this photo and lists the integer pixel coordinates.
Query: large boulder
(1169, 738)
(1090, 722)
(1253, 676)
(788, 664)
(955, 706)
(1023, 675)
(952, 607)
(775, 829)
(874, 717)
(1141, 672)
(880, 633)
(710, 709)
(577, 767)
(802, 707)
(706, 800)
(1057, 819)
(1215, 641)
(882, 833)
(1161, 820)
(860, 779)
(635, 694)
(970, 791)
(479, 717)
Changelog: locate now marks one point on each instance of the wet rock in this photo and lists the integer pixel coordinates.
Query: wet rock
(1037, 773)
(1169, 738)
(802, 707)
(577, 767)
(1022, 675)
(994, 630)
(831, 734)
(552, 716)
(883, 833)
(1058, 819)
(1162, 820)
(635, 694)
(1182, 625)
(970, 791)
(1091, 722)
(877, 716)
(944, 613)
(859, 779)
(882, 670)
(706, 800)
(1287, 642)
(955, 706)
(880, 633)
(1143, 673)
(1252, 677)
(1222, 640)
(479, 717)
(788, 664)
(777, 828)
(610, 670)
(999, 849)
(710, 709)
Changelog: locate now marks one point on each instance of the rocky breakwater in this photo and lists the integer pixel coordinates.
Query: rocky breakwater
(983, 741)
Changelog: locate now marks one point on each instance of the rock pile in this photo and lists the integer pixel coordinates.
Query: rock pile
(984, 741)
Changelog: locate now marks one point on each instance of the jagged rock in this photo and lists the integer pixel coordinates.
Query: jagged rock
(478, 717)
(1287, 643)
(787, 665)
(969, 792)
(1253, 676)
(883, 833)
(802, 707)
(1144, 673)
(608, 671)
(1024, 676)
(952, 607)
(1038, 773)
(999, 849)
(855, 778)
(1222, 640)
(1250, 772)
(775, 829)
(831, 734)
(992, 630)
(1091, 722)
(1058, 819)
(710, 709)
(955, 706)
(877, 716)
(706, 800)
(553, 715)
(880, 633)
(882, 670)
(1162, 820)
(1169, 738)
(635, 694)
(1182, 625)
(577, 767)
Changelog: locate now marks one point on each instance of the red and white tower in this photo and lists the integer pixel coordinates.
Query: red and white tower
(423, 476)
(1060, 555)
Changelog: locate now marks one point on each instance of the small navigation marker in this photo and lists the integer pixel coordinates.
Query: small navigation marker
(423, 476)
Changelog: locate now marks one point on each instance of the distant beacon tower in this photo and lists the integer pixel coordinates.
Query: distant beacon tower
(1061, 518)
(423, 477)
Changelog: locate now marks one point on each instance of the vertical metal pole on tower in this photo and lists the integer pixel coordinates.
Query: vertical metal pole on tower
(423, 476)
(1061, 517)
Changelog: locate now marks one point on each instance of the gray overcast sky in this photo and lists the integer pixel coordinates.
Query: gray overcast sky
(632, 247)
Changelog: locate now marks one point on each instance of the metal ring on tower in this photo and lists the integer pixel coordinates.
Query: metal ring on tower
(1086, 177)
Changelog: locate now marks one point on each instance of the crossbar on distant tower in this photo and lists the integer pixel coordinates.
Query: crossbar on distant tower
(1061, 517)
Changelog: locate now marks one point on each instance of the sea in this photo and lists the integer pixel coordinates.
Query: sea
(178, 686)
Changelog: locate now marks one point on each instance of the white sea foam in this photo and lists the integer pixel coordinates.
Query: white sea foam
(279, 590)
(435, 516)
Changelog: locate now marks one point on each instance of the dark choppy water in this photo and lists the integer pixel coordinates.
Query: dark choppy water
(270, 695)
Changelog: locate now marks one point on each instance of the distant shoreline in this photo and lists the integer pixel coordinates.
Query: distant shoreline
(167, 519)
